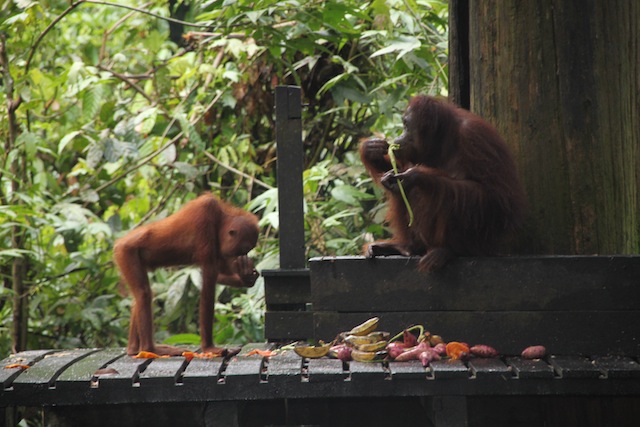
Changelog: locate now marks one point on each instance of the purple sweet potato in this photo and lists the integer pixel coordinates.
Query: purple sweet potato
(534, 352)
(483, 350)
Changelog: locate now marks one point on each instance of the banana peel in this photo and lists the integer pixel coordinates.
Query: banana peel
(365, 327)
(312, 351)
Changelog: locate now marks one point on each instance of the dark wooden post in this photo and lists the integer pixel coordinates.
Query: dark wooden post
(459, 91)
(287, 288)
(290, 165)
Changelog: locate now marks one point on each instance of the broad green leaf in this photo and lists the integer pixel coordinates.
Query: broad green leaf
(403, 45)
(92, 102)
(182, 339)
(175, 293)
(67, 139)
(95, 153)
(146, 120)
(190, 132)
(186, 169)
(349, 194)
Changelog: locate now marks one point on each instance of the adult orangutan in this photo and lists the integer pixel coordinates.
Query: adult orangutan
(207, 232)
(460, 180)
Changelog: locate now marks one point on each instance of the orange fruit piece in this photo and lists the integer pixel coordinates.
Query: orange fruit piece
(457, 350)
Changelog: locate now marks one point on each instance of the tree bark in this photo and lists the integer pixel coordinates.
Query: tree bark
(16, 168)
(561, 82)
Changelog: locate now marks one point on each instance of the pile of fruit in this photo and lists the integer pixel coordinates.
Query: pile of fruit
(364, 343)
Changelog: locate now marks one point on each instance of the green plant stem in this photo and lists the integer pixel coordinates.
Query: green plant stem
(401, 333)
(394, 165)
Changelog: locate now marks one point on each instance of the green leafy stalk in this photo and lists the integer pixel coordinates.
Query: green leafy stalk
(399, 335)
(394, 165)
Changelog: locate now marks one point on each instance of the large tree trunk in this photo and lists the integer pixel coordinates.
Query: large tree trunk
(16, 169)
(561, 82)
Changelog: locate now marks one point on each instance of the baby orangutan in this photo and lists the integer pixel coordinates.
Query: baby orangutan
(207, 232)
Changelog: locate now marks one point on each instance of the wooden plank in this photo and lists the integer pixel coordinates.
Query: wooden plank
(489, 368)
(162, 372)
(573, 332)
(287, 287)
(448, 369)
(509, 283)
(242, 375)
(574, 367)
(43, 374)
(325, 370)
(410, 370)
(618, 367)
(527, 369)
(123, 373)
(288, 325)
(284, 375)
(202, 372)
(284, 369)
(366, 371)
(27, 358)
(244, 372)
(80, 374)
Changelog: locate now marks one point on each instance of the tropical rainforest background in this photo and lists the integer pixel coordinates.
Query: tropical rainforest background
(114, 114)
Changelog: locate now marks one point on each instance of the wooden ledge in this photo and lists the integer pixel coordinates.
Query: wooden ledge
(571, 304)
(68, 378)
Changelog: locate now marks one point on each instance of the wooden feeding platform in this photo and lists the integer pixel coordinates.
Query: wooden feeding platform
(106, 387)
(584, 309)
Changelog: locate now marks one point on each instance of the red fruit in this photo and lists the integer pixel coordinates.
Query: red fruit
(457, 350)
(409, 340)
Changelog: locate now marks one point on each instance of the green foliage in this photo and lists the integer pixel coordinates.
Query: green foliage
(107, 122)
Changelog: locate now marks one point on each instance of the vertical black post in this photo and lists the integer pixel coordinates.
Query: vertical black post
(290, 164)
(459, 54)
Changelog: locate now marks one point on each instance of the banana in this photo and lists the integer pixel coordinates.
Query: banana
(355, 340)
(435, 340)
(373, 347)
(365, 328)
(379, 336)
(368, 356)
(312, 351)
(373, 337)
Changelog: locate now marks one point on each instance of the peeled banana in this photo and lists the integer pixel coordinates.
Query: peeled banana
(365, 328)
(312, 351)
